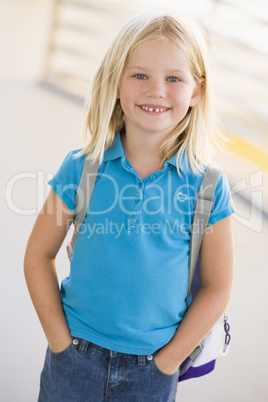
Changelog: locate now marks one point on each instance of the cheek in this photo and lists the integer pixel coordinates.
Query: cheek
(182, 97)
(129, 95)
(124, 98)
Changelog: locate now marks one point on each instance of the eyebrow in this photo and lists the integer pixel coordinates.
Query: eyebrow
(175, 71)
(134, 67)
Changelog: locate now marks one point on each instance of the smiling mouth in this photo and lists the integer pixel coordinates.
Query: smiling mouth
(154, 110)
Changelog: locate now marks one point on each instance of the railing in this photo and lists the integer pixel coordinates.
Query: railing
(81, 31)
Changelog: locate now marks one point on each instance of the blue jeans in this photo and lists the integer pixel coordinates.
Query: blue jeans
(85, 372)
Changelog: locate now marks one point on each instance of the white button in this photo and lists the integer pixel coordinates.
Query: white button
(75, 341)
(149, 357)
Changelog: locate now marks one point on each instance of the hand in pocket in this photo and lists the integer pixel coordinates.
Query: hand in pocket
(60, 346)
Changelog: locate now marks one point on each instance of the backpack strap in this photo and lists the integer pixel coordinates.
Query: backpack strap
(83, 197)
(200, 220)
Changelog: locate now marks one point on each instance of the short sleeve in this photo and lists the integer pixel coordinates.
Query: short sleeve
(66, 181)
(222, 203)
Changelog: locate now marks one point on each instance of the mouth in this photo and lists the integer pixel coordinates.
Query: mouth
(154, 109)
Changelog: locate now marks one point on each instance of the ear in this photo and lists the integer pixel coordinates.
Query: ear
(197, 93)
(118, 94)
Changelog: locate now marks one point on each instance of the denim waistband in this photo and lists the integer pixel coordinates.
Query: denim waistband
(84, 345)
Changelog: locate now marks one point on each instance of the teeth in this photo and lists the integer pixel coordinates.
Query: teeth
(150, 109)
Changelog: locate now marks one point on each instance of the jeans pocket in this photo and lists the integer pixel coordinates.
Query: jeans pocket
(64, 352)
(161, 374)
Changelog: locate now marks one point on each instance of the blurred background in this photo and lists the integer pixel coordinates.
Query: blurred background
(48, 53)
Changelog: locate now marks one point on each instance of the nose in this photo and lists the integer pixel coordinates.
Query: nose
(156, 89)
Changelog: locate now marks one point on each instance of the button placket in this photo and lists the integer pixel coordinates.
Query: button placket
(132, 218)
(136, 207)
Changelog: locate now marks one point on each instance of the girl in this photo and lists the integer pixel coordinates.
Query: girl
(118, 329)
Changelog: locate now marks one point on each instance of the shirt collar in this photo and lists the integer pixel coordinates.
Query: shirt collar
(116, 151)
(183, 163)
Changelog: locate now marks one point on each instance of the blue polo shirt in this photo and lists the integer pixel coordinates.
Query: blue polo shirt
(128, 277)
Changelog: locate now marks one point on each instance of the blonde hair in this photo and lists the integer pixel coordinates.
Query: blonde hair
(198, 134)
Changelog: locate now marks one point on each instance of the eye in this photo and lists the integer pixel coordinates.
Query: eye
(173, 79)
(140, 76)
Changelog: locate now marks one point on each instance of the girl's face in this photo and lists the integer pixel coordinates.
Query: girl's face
(157, 88)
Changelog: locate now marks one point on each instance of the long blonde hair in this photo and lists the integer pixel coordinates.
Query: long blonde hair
(198, 134)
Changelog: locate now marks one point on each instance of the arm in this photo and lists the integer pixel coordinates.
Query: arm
(216, 269)
(48, 233)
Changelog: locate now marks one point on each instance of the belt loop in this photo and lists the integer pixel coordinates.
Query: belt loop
(83, 346)
(141, 360)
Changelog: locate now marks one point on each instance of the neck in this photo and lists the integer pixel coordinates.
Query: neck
(142, 147)
(142, 151)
